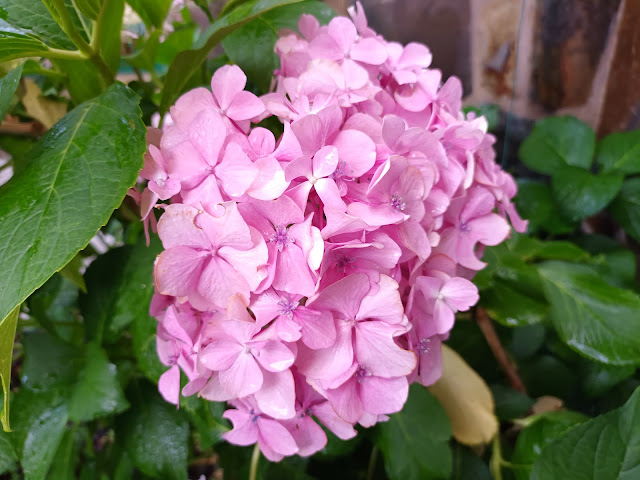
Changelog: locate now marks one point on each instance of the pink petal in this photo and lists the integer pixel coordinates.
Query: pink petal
(443, 316)
(318, 328)
(236, 171)
(277, 437)
(245, 431)
(277, 394)
(177, 271)
(292, 272)
(220, 355)
(270, 182)
(384, 395)
(369, 50)
(229, 229)
(249, 263)
(378, 352)
(243, 378)
(343, 32)
(245, 106)
(226, 83)
(491, 229)
(357, 149)
(329, 193)
(220, 281)
(384, 304)
(431, 362)
(325, 161)
(190, 104)
(214, 392)
(275, 356)
(300, 167)
(327, 415)
(346, 401)
(177, 228)
(460, 294)
(343, 297)
(169, 385)
(207, 133)
(308, 435)
(328, 363)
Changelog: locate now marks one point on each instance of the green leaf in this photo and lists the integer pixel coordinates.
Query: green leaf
(152, 12)
(8, 457)
(155, 434)
(580, 194)
(546, 375)
(39, 421)
(626, 207)
(535, 203)
(467, 465)
(251, 46)
(66, 458)
(604, 448)
(49, 363)
(14, 44)
(415, 441)
(97, 392)
(8, 86)
(592, 317)
(71, 271)
(620, 152)
(143, 333)
(85, 81)
(556, 142)
(7, 337)
(510, 403)
(89, 8)
(34, 17)
(111, 21)
(537, 435)
(188, 62)
(598, 379)
(79, 173)
(119, 289)
(206, 416)
(513, 307)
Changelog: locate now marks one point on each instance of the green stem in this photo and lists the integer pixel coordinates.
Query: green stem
(373, 459)
(66, 54)
(495, 464)
(255, 457)
(98, 26)
(67, 26)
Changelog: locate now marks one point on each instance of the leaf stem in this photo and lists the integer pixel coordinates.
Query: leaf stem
(493, 340)
(66, 54)
(66, 24)
(495, 464)
(373, 459)
(255, 457)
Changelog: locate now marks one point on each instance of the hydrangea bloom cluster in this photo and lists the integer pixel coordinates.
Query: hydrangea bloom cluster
(309, 280)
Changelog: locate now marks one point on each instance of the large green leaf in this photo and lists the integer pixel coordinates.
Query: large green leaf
(626, 207)
(188, 62)
(97, 391)
(84, 79)
(620, 152)
(155, 434)
(8, 457)
(78, 174)
(537, 435)
(511, 306)
(251, 46)
(89, 8)
(535, 203)
(39, 421)
(591, 316)
(556, 142)
(604, 448)
(119, 289)
(7, 337)
(34, 17)
(8, 86)
(580, 194)
(415, 441)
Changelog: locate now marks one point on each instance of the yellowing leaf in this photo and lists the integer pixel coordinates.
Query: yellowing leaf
(467, 400)
(46, 111)
(7, 337)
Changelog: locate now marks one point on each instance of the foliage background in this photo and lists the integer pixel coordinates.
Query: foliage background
(555, 340)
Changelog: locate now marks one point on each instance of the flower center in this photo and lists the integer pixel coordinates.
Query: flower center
(280, 237)
(424, 346)
(287, 306)
(340, 171)
(343, 261)
(397, 202)
(362, 374)
(464, 227)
